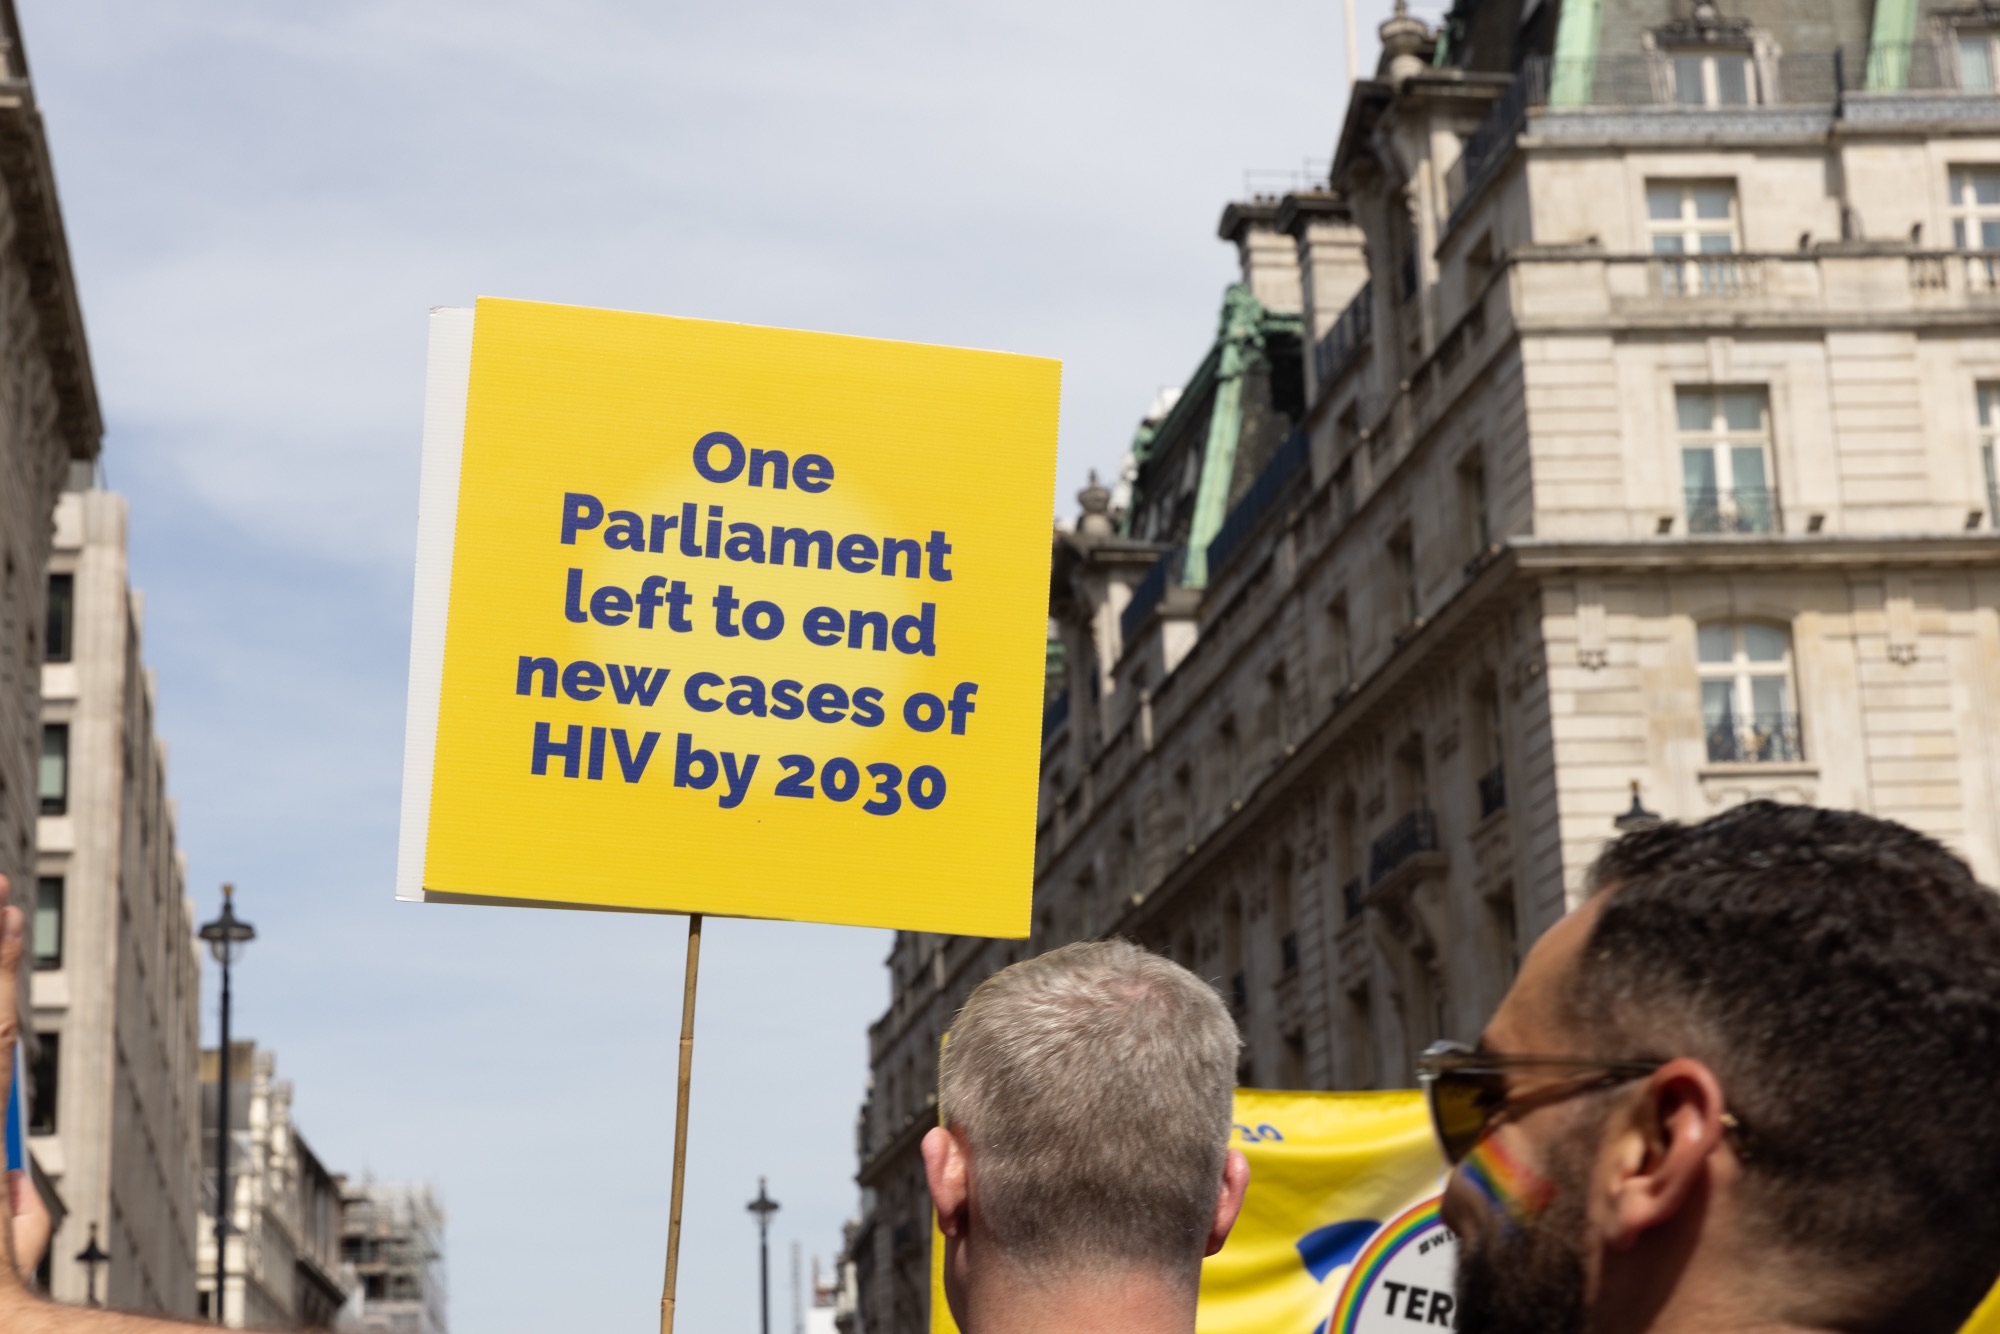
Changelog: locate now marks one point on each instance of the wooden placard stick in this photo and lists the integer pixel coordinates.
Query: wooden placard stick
(681, 1125)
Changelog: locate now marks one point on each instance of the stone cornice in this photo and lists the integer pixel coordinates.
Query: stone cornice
(29, 175)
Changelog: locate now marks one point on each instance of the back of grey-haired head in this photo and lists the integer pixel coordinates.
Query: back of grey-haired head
(1094, 1086)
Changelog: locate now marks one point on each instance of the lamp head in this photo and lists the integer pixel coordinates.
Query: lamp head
(228, 933)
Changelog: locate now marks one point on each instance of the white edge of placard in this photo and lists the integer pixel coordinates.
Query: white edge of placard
(446, 376)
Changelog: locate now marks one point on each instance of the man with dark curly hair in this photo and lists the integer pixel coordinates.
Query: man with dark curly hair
(1752, 1083)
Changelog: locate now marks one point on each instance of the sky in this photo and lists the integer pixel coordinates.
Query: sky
(263, 198)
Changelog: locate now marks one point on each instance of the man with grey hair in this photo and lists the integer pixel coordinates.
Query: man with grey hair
(1083, 1167)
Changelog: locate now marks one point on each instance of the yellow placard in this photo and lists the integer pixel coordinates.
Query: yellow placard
(724, 619)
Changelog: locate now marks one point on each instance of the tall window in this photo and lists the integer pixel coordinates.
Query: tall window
(1695, 218)
(1989, 437)
(48, 932)
(55, 769)
(1342, 643)
(1713, 78)
(1748, 709)
(1403, 565)
(1472, 506)
(1978, 60)
(1725, 440)
(1975, 208)
(56, 645)
(42, 1075)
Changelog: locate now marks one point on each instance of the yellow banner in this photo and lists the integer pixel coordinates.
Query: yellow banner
(722, 619)
(1335, 1178)
(1339, 1233)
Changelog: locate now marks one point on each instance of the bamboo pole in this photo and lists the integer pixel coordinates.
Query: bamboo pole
(681, 1125)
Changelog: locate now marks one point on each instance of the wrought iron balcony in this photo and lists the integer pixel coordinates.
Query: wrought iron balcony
(1742, 509)
(1344, 338)
(1492, 791)
(1414, 833)
(1272, 484)
(1054, 714)
(1350, 898)
(1166, 572)
(1764, 738)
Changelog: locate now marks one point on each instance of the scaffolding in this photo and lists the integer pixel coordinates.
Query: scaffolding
(393, 1236)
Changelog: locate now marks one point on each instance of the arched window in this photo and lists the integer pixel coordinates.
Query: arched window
(1749, 707)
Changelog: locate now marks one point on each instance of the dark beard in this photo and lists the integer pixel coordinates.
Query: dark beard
(1526, 1280)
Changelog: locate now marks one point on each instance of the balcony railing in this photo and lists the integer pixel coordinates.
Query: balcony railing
(1271, 485)
(1743, 509)
(1492, 791)
(1765, 738)
(1166, 571)
(1414, 833)
(1656, 81)
(1721, 276)
(1344, 338)
(1054, 714)
(1350, 898)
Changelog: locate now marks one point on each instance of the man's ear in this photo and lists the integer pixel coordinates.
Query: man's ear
(946, 1161)
(1229, 1201)
(1664, 1149)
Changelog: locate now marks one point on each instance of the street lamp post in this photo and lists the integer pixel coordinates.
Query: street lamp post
(763, 1206)
(1636, 817)
(226, 937)
(90, 1257)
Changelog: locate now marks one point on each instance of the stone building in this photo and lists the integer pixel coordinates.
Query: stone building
(1642, 450)
(49, 425)
(116, 986)
(284, 1270)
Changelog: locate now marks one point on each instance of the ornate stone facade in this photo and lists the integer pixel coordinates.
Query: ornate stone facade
(1645, 446)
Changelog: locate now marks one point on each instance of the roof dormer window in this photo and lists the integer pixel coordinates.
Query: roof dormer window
(1978, 52)
(1705, 77)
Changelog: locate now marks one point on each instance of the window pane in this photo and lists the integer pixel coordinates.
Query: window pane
(1698, 475)
(1975, 64)
(1687, 81)
(1958, 186)
(1743, 410)
(1668, 245)
(1695, 410)
(1989, 401)
(1718, 708)
(1732, 81)
(1746, 469)
(1985, 185)
(48, 922)
(1765, 643)
(1989, 234)
(1663, 202)
(1717, 243)
(1958, 233)
(55, 769)
(1769, 699)
(62, 598)
(42, 1075)
(1715, 643)
(1712, 201)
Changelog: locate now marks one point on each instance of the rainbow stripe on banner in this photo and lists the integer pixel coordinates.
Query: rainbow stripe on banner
(1388, 1245)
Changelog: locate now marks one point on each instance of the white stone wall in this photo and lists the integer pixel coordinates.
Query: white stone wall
(125, 1003)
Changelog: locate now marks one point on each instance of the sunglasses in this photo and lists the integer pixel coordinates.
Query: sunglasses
(1467, 1088)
